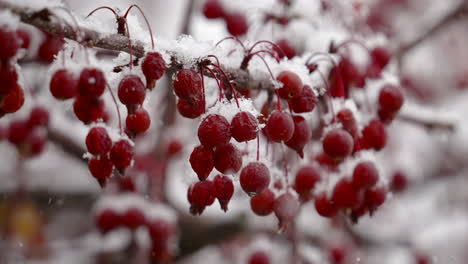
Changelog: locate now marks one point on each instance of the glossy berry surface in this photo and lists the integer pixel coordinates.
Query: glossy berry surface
(214, 131)
(325, 206)
(338, 143)
(63, 85)
(236, 24)
(9, 44)
(287, 49)
(280, 126)
(262, 203)
(292, 85)
(227, 159)
(92, 83)
(50, 48)
(301, 136)
(131, 90)
(188, 86)
(223, 190)
(13, 100)
(305, 181)
(254, 178)
(153, 67)
(88, 110)
(190, 110)
(202, 161)
(138, 122)
(244, 127)
(305, 102)
(98, 141)
(365, 175)
(121, 154)
(349, 123)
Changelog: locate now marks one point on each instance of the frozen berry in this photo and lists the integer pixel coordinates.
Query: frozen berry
(306, 179)
(374, 135)
(292, 85)
(223, 190)
(63, 85)
(301, 136)
(188, 86)
(213, 9)
(244, 127)
(138, 122)
(98, 141)
(375, 197)
(305, 102)
(287, 49)
(259, 257)
(347, 120)
(380, 57)
(9, 44)
(190, 110)
(390, 98)
(9, 77)
(337, 143)
(262, 204)
(50, 47)
(254, 178)
(365, 175)
(200, 195)
(13, 100)
(92, 83)
(18, 131)
(202, 161)
(88, 110)
(214, 131)
(153, 68)
(121, 154)
(236, 24)
(227, 159)
(286, 208)
(101, 168)
(345, 196)
(133, 218)
(399, 181)
(324, 206)
(280, 126)
(131, 90)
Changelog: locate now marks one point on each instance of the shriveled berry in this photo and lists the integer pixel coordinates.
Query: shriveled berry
(13, 100)
(98, 141)
(202, 161)
(227, 159)
(390, 98)
(88, 110)
(188, 86)
(200, 195)
(292, 85)
(345, 196)
(338, 144)
(153, 68)
(92, 83)
(286, 208)
(374, 135)
(236, 24)
(50, 47)
(107, 220)
(101, 168)
(254, 178)
(214, 131)
(325, 206)
(365, 175)
(39, 116)
(138, 122)
(244, 127)
(262, 204)
(131, 90)
(305, 102)
(223, 190)
(259, 257)
(301, 136)
(9, 44)
(63, 85)
(306, 178)
(280, 126)
(189, 110)
(121, 154)
(213, 9)
(133, 218)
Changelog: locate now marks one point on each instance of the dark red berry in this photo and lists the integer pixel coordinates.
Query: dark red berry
(107, 220)
(301, 136)
(259, 257)
(305, 102)
(9, 44)
(18, 131)
(236, 24)
(202, 161)
(92, 83)
(50, 47)
(227, 159)
(214, 131)
(63, 85)
(133, 218)
(131, 90)
(153, 68)
(350, 73)
(287, 49)
(292, 85)
(399, 181)
(374, 135)
(286, 208)
(380, 57)
(39, 116)
(375, 197)
(188, 86)
(160, 231)
(8, 77)
(101, 168)
(174, 147)
(336, 83)
(200, 195)
(13, 100)
(390, 98)
(88, 110)
(213, 9)
(223, 190)
(280, 126)
(262, 204)
(254, 178)
(365, 175)
(349, 123)
(98, 141)
(337, 255)
(127, 184)
(138, 122)
(189, 110)
(338, 144)
(306, 178)
(345, 196)
(244, 127)
(121, 154)
(324, 206)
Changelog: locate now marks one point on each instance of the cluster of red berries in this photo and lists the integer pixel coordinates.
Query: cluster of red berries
(138, 214)
(188, 87)
(29, 136)
(236, 23)
(50, 47)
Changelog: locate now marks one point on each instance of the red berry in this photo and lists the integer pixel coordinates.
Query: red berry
(336, 83)
(127, 184)
(101, 168)
(292, 85)
(133, 218)
(399, 181)
(365, 175)
(92, 83)
(254, 178)
(305, 102)
(188, 86)
(223, 190)
(262, 204)
(214, 131)
(236, 24)
(107, 220)
(174, 147)
(280, 126)
(213, 9)
(153, 68)
(259, 257)
(9, 77)
(200, 195)
(386, 116)
(131, 90)
(18, 131)
(338, 144)
(349, 123)
(337, 255)
(121, 154)
(202, 161)
(13, 100)
(88, 110)
(374, 135)
(350, 73)
(345, 196)
(301, 136)
(380, 57)
(98, 141)
(227, 159)
(36, 144)
(287, 49)
(138, 122)
(244, 127)
(24, 37)
(160, 232)
(306, 178)
(390, 98)
(39, 116)
(9, 44)
(189, 110)
(286, 208)
(324, 206)
(50, 47)
(63, 85)
(375, 197)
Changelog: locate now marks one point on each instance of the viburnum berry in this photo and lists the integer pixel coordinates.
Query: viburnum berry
(121, 154)
(254, 178)
(286, 208)
(306, 178)
(244, 127)
(50, 47)
(39, 116)
(301, 136)
(9, 44)
(236, 24)
(345, 196)
(292, 85)
(133, 218)
(88, 110)
(200, 195)
(63, 85)
(98, 141)
(153, 67)
(280, 126)
(262, 204)
(190, 110)
(287, 49)
(213, 9)
(398, 182)
(365, 175)
(92, 83)
(13, 100)
(214, 131)
(374, 135)
(375, 197)
(202, 161)
(107, 220)
(390, 98)
(227, 159)
(101, 168)
(9, 77)
(188, 86)
(131, 90)
(349, 123)
(259, 257)
(138, 122)
(223, 190)
(338, 143)
(325, 206)
(305, 102)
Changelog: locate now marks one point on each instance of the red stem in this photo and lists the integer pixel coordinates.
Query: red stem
(258, 146)
(267, 51)
(352, 41)
(217, 81)
(130, 64)
(230, 84)
(266, 64)
(103, 7)
(203, 84)
(232, 38)
(269, 42)
(146, 20)
(116, 108)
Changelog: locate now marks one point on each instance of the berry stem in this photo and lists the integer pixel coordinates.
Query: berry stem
(116, 108)
(200, 68)
(146, 21)
(232, 38)
(268, 42)
(130, 64)
(268, 52)
(227, 80)
(217, 81)
(266, 64)
(102, 7)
